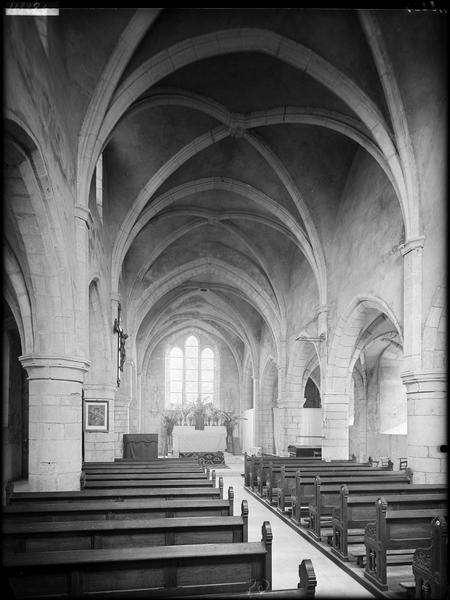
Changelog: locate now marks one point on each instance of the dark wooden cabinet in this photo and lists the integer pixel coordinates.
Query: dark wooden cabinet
(140, 446)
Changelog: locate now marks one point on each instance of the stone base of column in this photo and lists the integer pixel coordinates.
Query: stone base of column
(426, 393)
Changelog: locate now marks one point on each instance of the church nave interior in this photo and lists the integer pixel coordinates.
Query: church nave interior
(224, 235)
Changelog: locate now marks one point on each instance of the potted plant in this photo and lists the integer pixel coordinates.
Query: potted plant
(169, 419)
(229, 420)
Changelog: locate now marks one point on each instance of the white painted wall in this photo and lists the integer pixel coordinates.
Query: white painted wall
(248, 429)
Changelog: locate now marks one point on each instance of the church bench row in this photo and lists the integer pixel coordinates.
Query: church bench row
(250, 463)
(148, 475)
(119, 495)
(258, 465)
(429, 566)
(111, 509)
(75, 535)
(148, 483)
(144, 461)
(394, 537)
(327, 497)
(356, 510)
(144, 468)
(303, 494)
(163, 571)
(284, 478)
(160, 459)
(269, 475)
(253, 464)
(141, 479)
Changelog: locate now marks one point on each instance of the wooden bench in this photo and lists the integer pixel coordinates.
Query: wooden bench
(163, 571)
(111, 509)
(160, 459)
(148, 483)
(274, 473)
(397, 533)
(254, 464)
(326, 498)
(356, 510)
(300, 485)
(143, 468)
(119, 494)
(429, 565)
(127, 533)
(140, 479)
(142, 476)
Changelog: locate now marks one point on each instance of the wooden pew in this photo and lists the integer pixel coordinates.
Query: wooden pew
(429, 565)
(294, 484)
(143, 468)
(250, 462)
(326, 498)
(111, 509)
(261, 466)
(148, 475)
(140, 479)
(160, 459)
(356, 510)
(396, 533)
(119, 494)
(256, 463)
(127, 533)
(148, 483)
(273, 473)
(305, 486)
(276, 475)
(163, 571)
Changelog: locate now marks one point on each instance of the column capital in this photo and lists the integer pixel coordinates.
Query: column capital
(412, 244)
(424, 380)
(54, 366)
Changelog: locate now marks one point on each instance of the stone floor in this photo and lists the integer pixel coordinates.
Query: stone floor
(289, 547)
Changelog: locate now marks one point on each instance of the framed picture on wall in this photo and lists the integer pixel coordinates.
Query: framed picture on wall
(96, 415)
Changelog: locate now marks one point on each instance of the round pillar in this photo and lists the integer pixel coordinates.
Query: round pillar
(55, 421)
(426, 393)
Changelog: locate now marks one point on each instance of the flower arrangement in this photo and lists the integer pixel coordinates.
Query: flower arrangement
(170, 419)
(229, 419)
(198, 414)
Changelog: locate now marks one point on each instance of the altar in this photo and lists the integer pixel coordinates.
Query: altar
(187, 439)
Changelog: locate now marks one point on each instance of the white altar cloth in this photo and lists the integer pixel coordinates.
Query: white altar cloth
(188, 439)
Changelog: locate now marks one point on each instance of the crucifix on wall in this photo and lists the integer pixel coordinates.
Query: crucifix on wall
(121, 337)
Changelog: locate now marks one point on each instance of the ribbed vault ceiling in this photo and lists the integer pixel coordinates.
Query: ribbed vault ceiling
(224, 178)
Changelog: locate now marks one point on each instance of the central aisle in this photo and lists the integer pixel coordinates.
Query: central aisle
(288, 547)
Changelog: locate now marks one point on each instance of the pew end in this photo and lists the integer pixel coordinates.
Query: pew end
(306, 588)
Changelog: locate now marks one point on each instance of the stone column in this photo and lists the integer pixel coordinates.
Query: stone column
(335, 444)
(412, 251)
(257, 401)
(426, 393)
(55, 421)
(81, 293)
(99, 445)
(290, 415)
